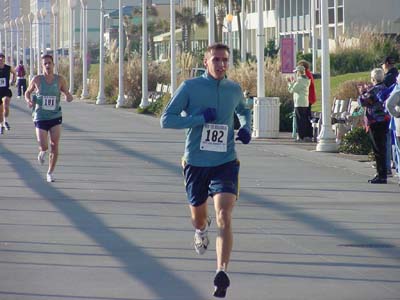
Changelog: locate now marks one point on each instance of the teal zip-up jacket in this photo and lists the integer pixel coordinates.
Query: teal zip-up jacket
(185, 111)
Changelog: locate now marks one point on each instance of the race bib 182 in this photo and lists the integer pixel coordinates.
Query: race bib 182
(214, 137)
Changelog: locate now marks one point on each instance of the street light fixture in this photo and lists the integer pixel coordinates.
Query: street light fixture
(85, 93)
(43, 14)
(22, 22)
(12, 42)
(31, 17)
(5, 39)
(145, 93)
(39, 70)
(101, 99)
(16, 21)
(121, 94)
(229, 19)
(54, 10)
(72, 5)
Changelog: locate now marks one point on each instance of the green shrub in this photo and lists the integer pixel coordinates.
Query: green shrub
(351, 61)
(155, 108)
(356, 141)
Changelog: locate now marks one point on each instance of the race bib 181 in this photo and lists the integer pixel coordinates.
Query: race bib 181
(49, 102)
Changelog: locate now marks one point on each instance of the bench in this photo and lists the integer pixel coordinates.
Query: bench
(161, 89)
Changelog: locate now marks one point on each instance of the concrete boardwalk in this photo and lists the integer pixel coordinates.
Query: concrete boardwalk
(115, 224)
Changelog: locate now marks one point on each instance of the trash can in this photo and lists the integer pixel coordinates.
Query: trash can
(266, 117)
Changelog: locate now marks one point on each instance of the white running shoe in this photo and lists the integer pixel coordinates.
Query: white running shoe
(50, 177)
(41, 157)
(201, 240)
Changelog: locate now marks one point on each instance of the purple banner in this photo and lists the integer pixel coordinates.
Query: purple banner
(287, 55)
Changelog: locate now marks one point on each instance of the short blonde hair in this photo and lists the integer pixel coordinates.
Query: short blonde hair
(377, 74)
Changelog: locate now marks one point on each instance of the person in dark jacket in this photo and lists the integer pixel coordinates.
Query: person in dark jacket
(376, 122)
(391, 72)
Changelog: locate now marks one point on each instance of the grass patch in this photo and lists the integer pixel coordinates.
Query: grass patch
(336, 81)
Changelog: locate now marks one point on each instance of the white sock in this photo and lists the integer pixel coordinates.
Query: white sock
(221, 269)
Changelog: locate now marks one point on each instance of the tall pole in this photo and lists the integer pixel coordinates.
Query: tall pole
(12, 43)
(327, 139)
(31, 17)
(5, 39)
(1, 38)
(211, 23)
(121, 92)
(85, 93)
(145, 92)
(43, 13)
(260, 51)
(101, 99)
(22, 21)
(38, 44)
(54, 10)
(173, 49)
(72, 5)
(314, 37)
(16, 21)
(229, 19)
(81, 25)
(243, 39)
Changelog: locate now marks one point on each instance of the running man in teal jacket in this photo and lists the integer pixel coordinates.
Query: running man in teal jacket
(205, 107)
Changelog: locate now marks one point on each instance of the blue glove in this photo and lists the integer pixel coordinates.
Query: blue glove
(210, 114)
(243, 135)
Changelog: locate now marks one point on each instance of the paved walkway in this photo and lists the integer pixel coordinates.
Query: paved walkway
(115, 225)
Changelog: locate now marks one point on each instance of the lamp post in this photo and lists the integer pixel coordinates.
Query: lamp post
(72, 5)
(327, 139)
(5, 39)
(145, 92)
(54, 10)
(22, 21)
(85, 93)
(173, 52)
(16, 21)
(31, 17)
(101, 99)
(211, 23)
(39, 71)
(243, 39)
(43, 14)
(1, 38)
(121, 94)
(229, 18)
(11, 43)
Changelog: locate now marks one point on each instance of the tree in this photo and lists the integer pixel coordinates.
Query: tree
(187, 19)
(221, 6)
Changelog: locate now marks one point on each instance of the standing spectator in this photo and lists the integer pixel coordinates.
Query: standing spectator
(391, 72)
(299, 87)
(312, 95)
(5, 93)
(210, 164)
(389, 80)
(21, 81)
(376, 122)
(393, 107)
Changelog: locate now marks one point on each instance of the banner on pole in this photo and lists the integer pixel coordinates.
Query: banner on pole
(287, 55)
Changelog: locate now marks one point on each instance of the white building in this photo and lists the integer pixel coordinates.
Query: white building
(293, 18)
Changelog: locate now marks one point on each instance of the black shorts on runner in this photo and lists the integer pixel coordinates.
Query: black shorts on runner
(48, 124)
(5, 92)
